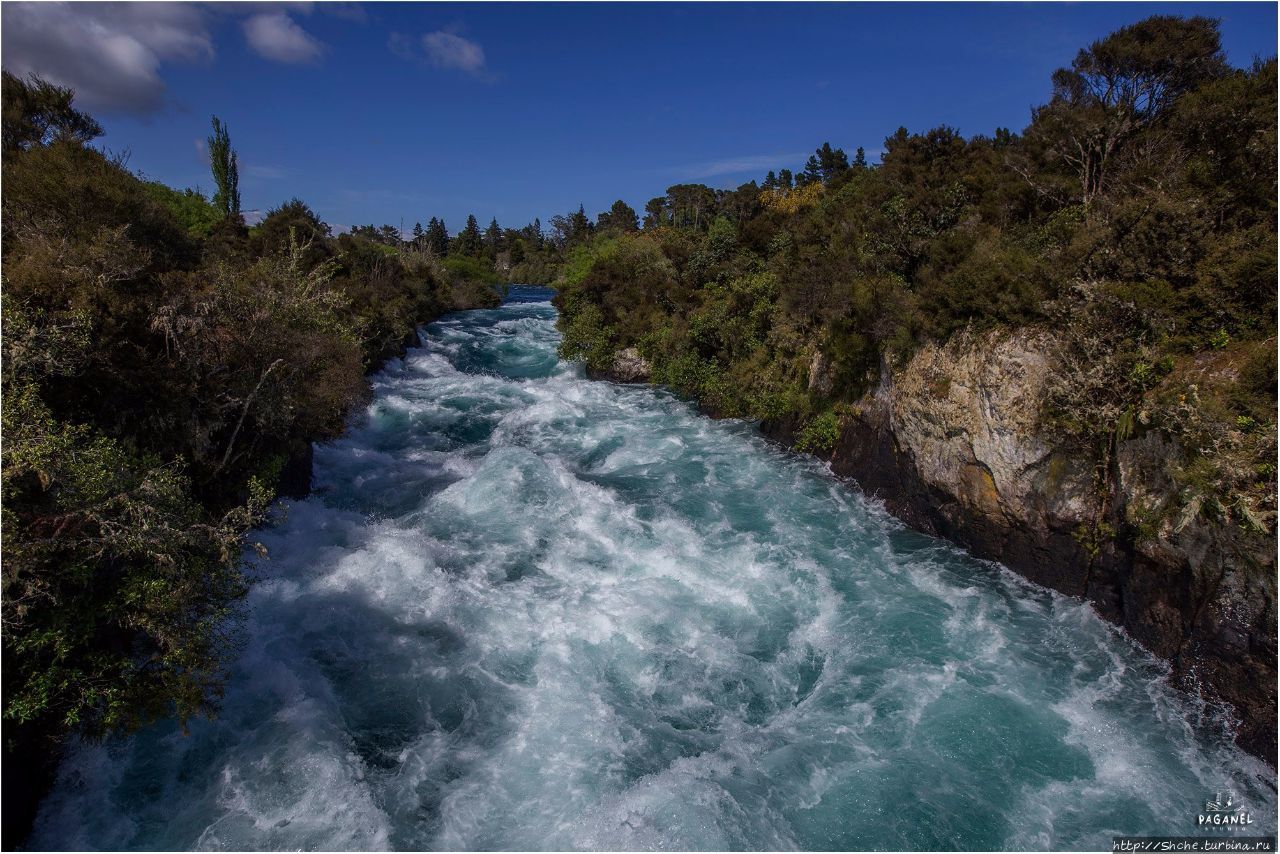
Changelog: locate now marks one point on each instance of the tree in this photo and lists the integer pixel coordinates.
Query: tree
(437, 237)
(493, 237)
(417, 235)
(812, 173)
(860, 158)
(824, 165)
(36, 113)
(655, 212)
(226, 170)
(293, 222)
(579, 225)
(620, 217)
(691, 204)
(832, 162)
(469, 241)
(741, 204)
(1120, 85)
(785, 179)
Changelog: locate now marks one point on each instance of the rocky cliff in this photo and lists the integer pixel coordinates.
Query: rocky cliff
(953, 443)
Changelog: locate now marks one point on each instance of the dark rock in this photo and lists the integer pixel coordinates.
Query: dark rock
(30, 765)
(295, 476)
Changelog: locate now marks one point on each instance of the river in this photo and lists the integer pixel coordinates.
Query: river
(525, 610)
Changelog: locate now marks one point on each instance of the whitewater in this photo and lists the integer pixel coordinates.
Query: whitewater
(526, 610)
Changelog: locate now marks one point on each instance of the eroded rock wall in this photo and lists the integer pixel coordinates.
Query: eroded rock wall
(953, 443)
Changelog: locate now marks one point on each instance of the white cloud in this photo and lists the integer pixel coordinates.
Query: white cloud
(737, 165)
(109, 53)
(443, 49)
(278, 37)
(448, 50)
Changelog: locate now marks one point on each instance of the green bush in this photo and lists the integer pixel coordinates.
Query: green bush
(162, 369)
(820, 435)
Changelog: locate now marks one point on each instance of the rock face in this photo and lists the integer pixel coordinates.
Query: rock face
(952, 443)
(628, 367)
(822, 379)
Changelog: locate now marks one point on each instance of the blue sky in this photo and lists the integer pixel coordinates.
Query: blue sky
(383, 112)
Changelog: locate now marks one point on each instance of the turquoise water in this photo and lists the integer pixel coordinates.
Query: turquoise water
(525, 610)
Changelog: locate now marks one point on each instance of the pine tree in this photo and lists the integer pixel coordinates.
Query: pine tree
(417, 235)
(832, 162)
(579, 225)
(469, 241)
(812, 172)
(437, 237)
(226, 170)
(493, 237)
(860, 159)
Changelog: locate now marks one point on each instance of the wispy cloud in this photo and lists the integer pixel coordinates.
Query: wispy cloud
(267, 173)
(447, 50)
(278, 37)
(752, 163)
(442, 49)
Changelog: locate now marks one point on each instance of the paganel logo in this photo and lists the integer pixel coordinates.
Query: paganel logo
(1223, 811)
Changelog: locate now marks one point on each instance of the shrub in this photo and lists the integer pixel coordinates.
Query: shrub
(820, 435)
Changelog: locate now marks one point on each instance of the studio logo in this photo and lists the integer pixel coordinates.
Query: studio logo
(1223, 811)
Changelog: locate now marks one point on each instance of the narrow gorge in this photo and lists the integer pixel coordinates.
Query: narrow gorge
(523, 609)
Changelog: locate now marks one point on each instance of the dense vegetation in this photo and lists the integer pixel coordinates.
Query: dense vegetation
(1135, 215)
(165, 371)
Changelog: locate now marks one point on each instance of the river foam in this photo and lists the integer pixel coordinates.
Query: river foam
(524, 610)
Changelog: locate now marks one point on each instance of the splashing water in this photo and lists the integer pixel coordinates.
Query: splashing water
(527, 610)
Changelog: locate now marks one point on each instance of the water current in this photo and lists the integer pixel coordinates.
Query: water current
(526, 610)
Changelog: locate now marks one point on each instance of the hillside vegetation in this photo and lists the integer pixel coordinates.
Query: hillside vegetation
(1135, 216)
(165, 371)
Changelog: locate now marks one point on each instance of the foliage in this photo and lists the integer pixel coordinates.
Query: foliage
(226, 170)
(791, 200)
(820, 435)
(1134, 218)
(37, 112)
(118, 585)
(189, 208)
(164, 370)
